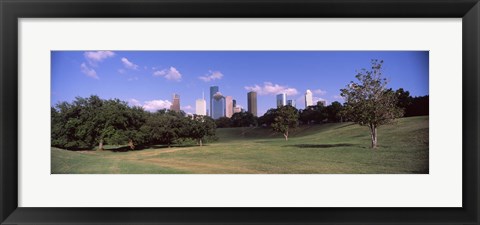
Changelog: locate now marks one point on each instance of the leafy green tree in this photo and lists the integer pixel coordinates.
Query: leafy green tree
(201, 127)
(90, 121)
(136, 118)
(73, 124)
(334, 112)
(285, 120)
(268, 118)
(223, 122)
(118, 123)
(163, 127)
(313, 114)
(368, 102)
(111, 122)
(243, 119)
(419, 106)
(403, 98)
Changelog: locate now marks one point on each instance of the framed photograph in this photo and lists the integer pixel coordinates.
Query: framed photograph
(255, 112)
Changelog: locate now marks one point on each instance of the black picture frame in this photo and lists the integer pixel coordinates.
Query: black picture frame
(12, 10)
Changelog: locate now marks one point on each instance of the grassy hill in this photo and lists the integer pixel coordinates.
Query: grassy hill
(328, 148)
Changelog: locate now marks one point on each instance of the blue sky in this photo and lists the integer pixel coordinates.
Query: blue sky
(149, 78)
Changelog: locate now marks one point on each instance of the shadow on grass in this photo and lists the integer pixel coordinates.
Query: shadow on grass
(141, 148)
(119, 149)
(320, 145)
(175, 146)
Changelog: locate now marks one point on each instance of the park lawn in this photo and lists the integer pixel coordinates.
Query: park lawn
(317, 149)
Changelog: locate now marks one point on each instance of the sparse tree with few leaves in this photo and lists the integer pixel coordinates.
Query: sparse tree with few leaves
(369, 102)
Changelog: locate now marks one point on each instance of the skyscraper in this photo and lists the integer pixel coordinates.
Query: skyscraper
(234, 103)
(175, 103)
(228, 106)
(218, 105)
(237, 109)
(291, 102)
(252, 102)
(308, 98)
(201, 106)
(213, 91)
(322, 102)
(281, 100)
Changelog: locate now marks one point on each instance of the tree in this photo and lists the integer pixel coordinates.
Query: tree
(418, 106)
(243, 119)
(403, 98)
(201, 127)
(117, 123)
(164, 127)
(223, 122)
(313, 114)
(333, 112)
(268, 118)
(136, 118)
(286, 119)
(89, 121)
(73, 126)
(368, 102)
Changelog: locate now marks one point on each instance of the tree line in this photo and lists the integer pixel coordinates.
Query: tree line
(89, 122)
(317, 114)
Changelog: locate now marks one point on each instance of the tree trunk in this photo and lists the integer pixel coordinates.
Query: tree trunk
(286, 136)
(131, 145)
(373, 131)
(100, 145)
(200, 142)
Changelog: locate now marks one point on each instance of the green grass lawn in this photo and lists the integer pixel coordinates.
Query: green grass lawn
(318, 149)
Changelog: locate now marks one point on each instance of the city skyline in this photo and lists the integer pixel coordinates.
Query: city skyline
(150, 78)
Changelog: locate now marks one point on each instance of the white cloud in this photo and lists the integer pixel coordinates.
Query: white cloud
(94, 57)
(218, 95)
(155, 105)
(128, 64)
(170, 74)
(134, 102)
(319, 92)
(212, 75)
(88, 71)
(272, 89)
(188, 109)
(316, 99)
(152, 105)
